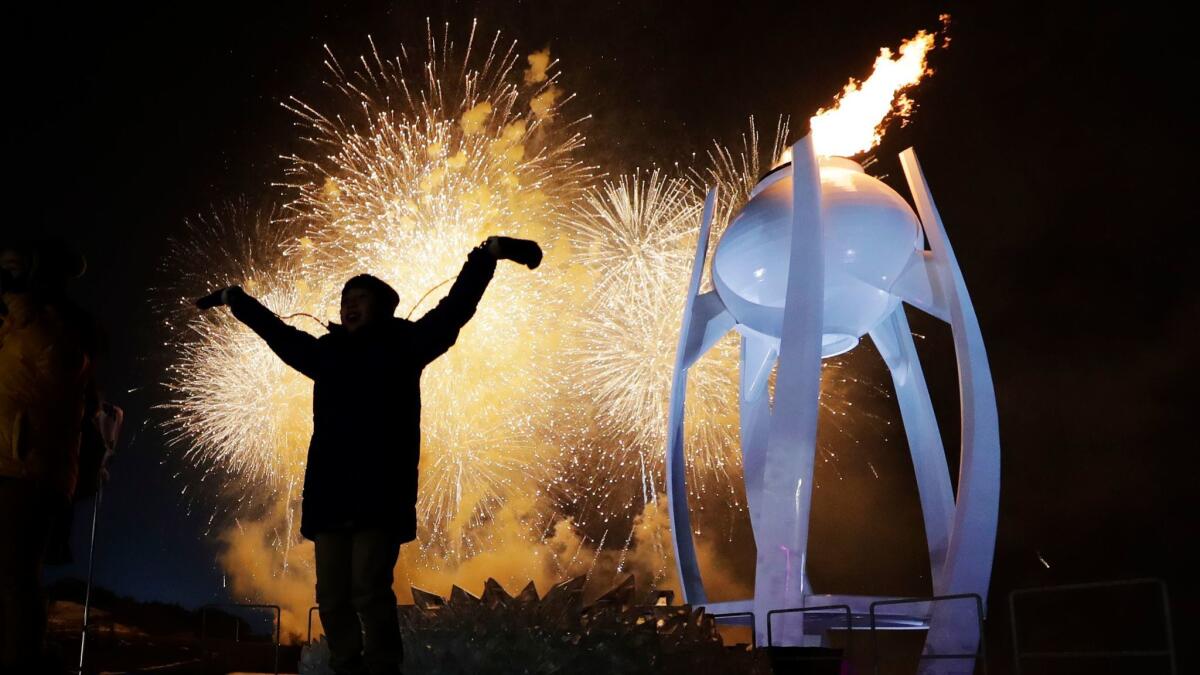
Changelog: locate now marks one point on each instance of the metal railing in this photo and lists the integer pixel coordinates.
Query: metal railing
(1168, 653)
(980, 653)
(730, 615)
(235, 605)
(804, 610)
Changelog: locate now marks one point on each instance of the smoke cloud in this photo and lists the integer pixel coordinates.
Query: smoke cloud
(261, 570)
(539, 63)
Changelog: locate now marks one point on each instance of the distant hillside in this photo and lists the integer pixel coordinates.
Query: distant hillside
(152, 618)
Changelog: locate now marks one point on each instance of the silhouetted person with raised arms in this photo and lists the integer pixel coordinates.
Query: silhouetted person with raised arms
(360, 484)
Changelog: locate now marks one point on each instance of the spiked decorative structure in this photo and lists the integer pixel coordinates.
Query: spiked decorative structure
(820, 256)
(497, 633)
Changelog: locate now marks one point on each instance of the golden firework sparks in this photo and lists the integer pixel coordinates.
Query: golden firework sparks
(234, 403)
(425, 168)
(636, 236)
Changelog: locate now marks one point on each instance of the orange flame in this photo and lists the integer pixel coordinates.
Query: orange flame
(858, 118)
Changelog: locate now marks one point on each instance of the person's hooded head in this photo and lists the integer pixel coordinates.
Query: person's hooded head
(367, 300)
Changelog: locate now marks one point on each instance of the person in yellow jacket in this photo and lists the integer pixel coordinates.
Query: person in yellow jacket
(44, 374)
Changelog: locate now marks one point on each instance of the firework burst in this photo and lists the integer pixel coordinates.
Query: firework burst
(434, 155)
(636, 237)
(234, 404)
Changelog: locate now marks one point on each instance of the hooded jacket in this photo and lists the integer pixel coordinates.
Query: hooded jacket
(366, 442)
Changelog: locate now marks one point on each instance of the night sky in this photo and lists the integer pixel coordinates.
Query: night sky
(1056, 143)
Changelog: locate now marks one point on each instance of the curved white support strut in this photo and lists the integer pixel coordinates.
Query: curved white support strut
(781, 533)
(973, 536)
(687, 352)
(894, 341)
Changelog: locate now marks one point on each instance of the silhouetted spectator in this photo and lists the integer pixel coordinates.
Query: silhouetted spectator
(360, 483)
(45, 375)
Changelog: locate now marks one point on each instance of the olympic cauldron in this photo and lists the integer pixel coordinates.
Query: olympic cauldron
(821, 256)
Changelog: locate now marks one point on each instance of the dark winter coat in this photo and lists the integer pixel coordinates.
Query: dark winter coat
(366, 442)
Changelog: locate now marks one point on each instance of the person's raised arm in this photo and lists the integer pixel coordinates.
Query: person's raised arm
(438, 329)
(297, 348)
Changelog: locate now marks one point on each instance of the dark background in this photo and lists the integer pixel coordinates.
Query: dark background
(1056, 139)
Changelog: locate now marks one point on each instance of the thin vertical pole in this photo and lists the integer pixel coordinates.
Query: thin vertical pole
(87, 595)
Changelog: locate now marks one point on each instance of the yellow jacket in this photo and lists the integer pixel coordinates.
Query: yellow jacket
(43, 374)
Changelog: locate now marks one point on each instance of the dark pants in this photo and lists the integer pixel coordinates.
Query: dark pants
(26, 515)
(354, 584)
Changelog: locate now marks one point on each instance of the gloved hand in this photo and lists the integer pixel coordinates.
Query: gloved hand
(216, 298)
(524, 251)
